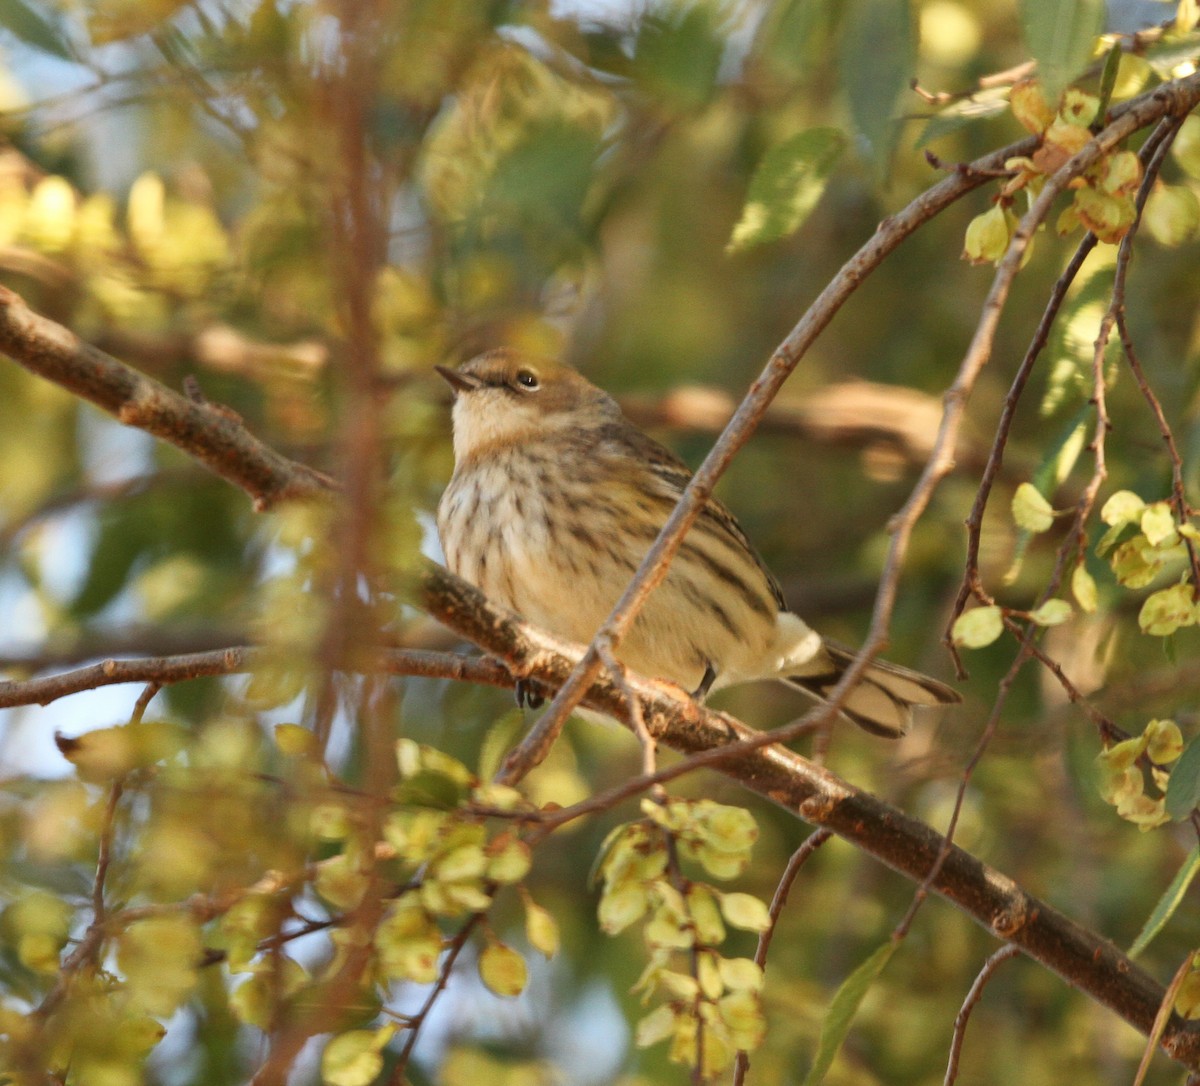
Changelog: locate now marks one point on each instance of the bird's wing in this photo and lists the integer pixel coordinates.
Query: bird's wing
(674, 475)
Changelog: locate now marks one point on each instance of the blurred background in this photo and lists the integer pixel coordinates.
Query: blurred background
(570, 178)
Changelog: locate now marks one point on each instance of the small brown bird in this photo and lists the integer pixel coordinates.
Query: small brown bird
(555, 499)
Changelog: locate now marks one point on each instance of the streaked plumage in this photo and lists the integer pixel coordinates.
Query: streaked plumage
(554, 501)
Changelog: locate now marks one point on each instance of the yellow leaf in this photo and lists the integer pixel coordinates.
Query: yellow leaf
(355, 1058)
(296, 741)
(745, 911)
(1187, 998)
(1165, 741)
(50, 217)
(340, 882)
(1029, 106)
(502, 969)
(988, 236)
(1122, 174)
(509, 860)
(541, 929)
(159, 958)
(1108, 217)
(657, 1026)
(1168, 609)
(1078, 107)
(741, 974)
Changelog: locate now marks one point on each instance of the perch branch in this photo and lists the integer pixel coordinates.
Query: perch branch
(810, 791)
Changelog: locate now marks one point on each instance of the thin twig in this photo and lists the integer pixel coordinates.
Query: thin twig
(973, 997)
(167, 670)
(695, 496)
(1155, 150)
(637, 718)
(798, 859)
(416, 1021)
(1183, 509)
(972, 584)
(980, 347)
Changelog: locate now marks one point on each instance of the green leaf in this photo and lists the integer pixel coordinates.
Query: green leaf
(1051, 613)
(498, 741)
(1061, 35)
(1122, 508)
(1158, 524)
(1108, 79)
(786, 186)
(1186, 148)
(1168, 903)
(978, 627)
(1183, 788)
(33, 28)
(1030, 509)
(842, 1010)
(877, 63)
(1172, 214)
(677, 55)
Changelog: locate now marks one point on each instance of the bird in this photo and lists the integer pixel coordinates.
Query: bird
(555, 499)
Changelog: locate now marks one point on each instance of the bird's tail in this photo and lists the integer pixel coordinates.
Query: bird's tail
(883, 700)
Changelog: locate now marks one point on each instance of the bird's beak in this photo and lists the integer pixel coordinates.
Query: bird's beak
(460, 382)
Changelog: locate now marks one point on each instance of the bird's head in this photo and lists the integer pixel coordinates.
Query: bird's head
(505, 397)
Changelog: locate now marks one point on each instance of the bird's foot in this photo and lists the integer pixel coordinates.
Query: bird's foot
(528, 694)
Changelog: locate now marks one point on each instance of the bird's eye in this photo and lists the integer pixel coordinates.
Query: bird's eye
(528, 380)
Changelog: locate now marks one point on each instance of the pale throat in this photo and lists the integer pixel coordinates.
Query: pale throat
(489, 427)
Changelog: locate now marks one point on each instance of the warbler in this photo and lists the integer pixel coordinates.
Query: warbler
(555, 499)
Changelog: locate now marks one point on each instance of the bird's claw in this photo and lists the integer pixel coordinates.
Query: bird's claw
(527, 694)
(710, 677)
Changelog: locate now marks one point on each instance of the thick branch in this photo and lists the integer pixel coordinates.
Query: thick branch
(905, 844)
(213, 435)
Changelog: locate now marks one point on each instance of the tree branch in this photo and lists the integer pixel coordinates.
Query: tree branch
(166, 670)
(217, 439)
(1176, 98)
(208, 432)
(800, 786)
